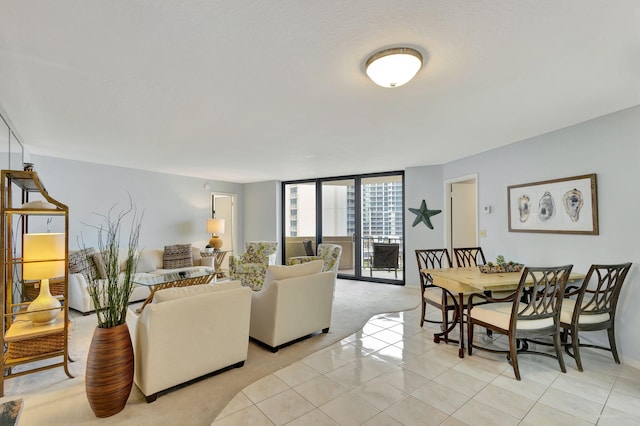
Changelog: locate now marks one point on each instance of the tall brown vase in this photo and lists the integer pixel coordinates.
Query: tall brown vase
(109, 376)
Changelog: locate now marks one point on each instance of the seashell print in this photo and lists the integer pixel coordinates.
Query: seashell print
(573, 202)
(523, 208)
(546, 207)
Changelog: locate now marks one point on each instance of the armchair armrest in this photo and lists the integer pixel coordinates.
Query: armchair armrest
(79, 298)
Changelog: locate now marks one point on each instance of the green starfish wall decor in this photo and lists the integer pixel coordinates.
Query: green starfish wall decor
(423, 214)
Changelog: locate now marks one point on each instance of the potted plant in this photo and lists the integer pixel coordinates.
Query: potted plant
(501, 265)
(109, 374)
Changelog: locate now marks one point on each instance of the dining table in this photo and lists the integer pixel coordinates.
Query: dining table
(461, 281)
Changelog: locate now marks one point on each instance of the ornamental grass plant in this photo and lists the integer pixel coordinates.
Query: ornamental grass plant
(110, 294)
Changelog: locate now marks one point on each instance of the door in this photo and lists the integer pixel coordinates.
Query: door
(224, 207)
(382, 231)
(339, 220)
(463, 212)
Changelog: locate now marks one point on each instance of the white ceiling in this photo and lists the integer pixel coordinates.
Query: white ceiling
(253, 90)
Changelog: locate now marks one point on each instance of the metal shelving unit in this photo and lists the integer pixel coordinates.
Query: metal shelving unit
(22, 342)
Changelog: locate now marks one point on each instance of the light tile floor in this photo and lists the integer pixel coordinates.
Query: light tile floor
(392, 373)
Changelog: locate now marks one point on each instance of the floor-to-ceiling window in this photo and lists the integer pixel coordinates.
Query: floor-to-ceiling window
(363, 214)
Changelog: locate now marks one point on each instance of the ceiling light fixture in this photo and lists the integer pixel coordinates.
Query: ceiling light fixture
(394, 67)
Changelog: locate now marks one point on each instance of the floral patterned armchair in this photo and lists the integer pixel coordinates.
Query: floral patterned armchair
(251, 267)
(329, 253)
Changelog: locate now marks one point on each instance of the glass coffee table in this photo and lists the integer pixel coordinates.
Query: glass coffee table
(173, 279)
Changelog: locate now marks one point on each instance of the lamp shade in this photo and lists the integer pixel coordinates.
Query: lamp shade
(39, 252)
(394, 67)
(215, 226)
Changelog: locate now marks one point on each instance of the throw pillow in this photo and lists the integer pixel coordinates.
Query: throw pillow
(177, 256)
(194, 290)
(282, 272)
(100, 266)
(81, 262)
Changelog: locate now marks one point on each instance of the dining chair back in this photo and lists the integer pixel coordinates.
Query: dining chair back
(531, 312)
(469, 256)
(593, 308)
(431, 294)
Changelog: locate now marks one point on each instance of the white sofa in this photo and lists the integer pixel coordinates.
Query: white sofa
(188, 332)
(150, 266)
(294, 302)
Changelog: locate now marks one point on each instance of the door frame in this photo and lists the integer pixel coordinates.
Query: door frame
(447, 207)
(230, 217)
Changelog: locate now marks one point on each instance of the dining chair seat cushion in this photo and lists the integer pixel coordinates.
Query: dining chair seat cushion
(499, 314)
(568, 306)
(434, 294)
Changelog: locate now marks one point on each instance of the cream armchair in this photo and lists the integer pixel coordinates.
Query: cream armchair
(294, 302)
(251, 267)
(328, 253)
(188, 332)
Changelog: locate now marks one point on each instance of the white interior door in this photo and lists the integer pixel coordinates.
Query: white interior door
(224, 206)
(463, 212)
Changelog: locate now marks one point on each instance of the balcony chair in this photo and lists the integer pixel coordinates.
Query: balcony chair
(532, 311)
(251, 267)
(384, 257)
(328, 253)
(597, 299)
(308, 247)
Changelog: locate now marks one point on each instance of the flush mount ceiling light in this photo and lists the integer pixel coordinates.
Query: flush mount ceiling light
(394, 67)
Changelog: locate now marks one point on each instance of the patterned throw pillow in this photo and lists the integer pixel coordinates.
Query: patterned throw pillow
(177, 256)
(81, 262)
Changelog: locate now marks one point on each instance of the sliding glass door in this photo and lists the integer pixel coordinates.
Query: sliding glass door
(363, 214)
(338, 220)
(382, 232)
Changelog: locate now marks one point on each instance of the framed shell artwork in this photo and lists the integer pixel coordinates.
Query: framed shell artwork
(558, 206)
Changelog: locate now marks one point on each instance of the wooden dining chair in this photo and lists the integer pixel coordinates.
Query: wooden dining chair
(593, 307)
(469, 256)
(432, 294)
(521, 316)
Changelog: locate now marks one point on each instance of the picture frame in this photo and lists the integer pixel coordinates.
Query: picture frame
(558, 206)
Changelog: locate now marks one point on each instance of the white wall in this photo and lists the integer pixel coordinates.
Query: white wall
(422, 183)
(608, 146)
(175, 207)
(262, 211)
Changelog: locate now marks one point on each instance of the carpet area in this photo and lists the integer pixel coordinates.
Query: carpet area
(49, 397)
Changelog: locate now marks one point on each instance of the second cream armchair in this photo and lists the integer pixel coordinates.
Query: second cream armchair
(294, 302)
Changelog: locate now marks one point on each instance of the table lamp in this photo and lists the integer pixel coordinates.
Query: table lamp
(215, 227)
(43, 258)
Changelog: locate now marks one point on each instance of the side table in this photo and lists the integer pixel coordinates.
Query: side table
(214, 260)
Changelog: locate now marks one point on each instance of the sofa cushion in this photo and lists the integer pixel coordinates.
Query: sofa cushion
(194, 290)
(177, 256)
(81, 262)
(282, 272)
(148, 260)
